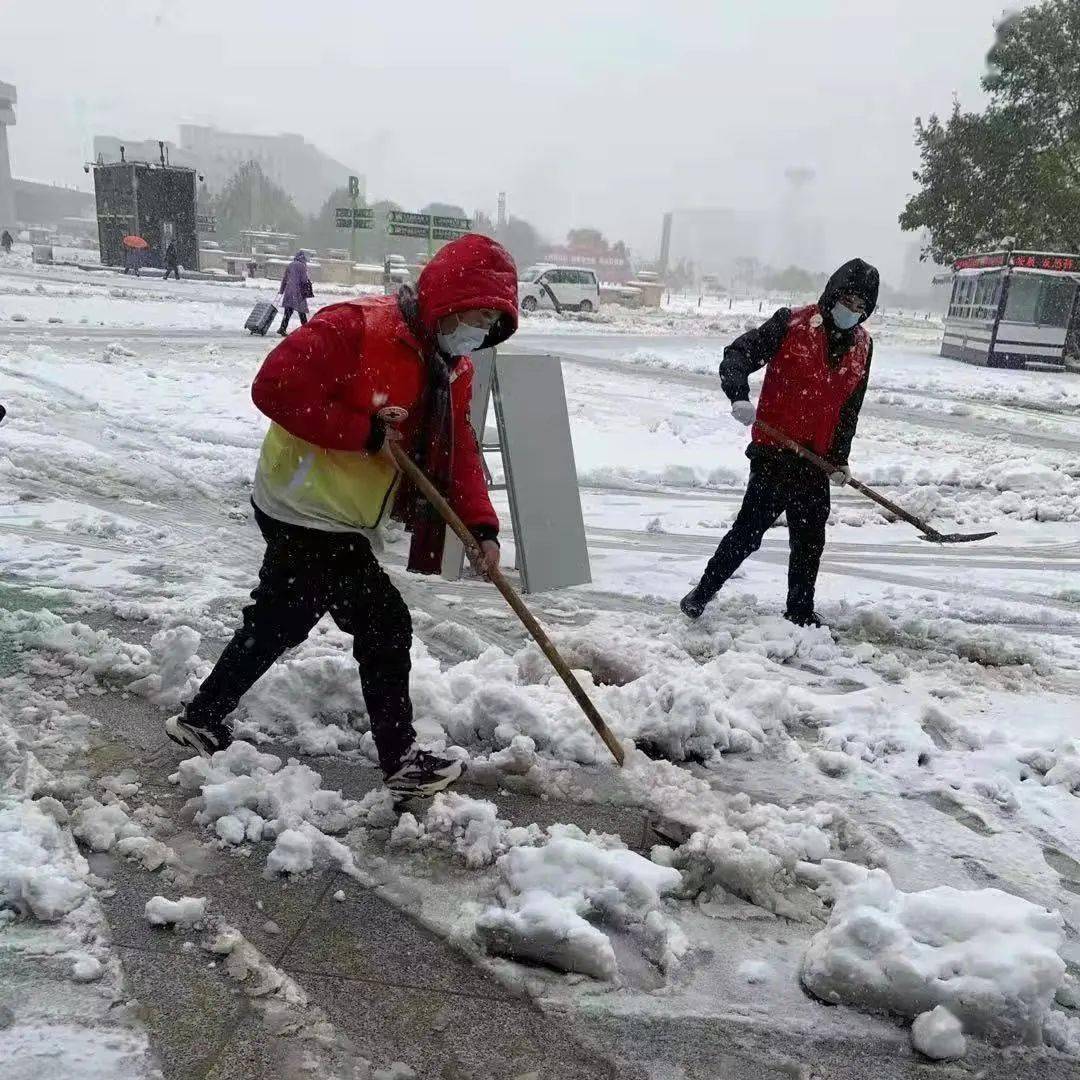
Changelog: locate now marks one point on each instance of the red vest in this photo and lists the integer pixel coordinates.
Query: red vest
(802, 394)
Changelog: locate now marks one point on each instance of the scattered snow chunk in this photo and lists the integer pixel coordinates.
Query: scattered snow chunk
(938, 1035)
(87, 969)
(187, 911)
(100, 826)
(754, 971)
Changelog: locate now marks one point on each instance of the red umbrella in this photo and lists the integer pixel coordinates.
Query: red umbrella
(136, 242)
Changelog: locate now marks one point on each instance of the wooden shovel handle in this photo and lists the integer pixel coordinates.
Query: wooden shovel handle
(858, 485)
(510, 595)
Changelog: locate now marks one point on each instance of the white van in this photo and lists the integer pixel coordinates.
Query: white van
(576, 289)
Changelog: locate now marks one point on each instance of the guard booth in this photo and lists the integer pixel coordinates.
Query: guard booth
(1014, 308)
(148, 199)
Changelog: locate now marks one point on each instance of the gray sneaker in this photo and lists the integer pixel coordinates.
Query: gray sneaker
(421, 774)
(203, 740)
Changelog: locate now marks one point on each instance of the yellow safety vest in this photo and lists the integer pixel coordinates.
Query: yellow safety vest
(348, 487)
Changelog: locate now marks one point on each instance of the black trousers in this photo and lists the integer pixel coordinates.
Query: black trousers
(287, 315)
(305, 574)
(780, 482)
(174, 270)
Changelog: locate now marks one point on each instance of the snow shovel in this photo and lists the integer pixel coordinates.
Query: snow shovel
(416, 475)
(929, 533)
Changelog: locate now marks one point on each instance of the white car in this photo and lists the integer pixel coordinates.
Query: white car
(575, 289)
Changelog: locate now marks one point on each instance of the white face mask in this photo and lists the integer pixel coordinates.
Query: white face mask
(463, 339)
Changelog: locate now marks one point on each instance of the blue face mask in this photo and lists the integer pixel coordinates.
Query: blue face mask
(463, 339)
(843, 317)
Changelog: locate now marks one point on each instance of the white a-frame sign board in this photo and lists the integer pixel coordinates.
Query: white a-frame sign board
(538, 464)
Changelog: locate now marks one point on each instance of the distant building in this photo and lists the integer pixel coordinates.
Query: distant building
(304, 171)
(49, 205)
(609, 265)
(8, 97)
(713, 238)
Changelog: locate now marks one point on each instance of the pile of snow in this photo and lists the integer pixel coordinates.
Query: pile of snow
(548, 895)
(763, 853)
(1025, 475)
(187, 911)
(41, 872)
(469, 828)
(988, 958)
(984, 644)
(1059, 766)
(167, 673)
(247, 795)
(552, 884)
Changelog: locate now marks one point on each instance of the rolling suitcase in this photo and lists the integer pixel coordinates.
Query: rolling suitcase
(262, 315)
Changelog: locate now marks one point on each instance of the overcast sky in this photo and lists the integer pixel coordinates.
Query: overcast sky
(600, 112)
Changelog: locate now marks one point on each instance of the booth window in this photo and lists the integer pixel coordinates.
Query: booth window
(1023, 302)
(1055, 302)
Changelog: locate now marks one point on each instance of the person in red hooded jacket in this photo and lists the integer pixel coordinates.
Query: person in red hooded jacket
(325, 476)
(817, 361)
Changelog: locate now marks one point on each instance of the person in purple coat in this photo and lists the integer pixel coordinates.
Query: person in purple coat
(295, 290)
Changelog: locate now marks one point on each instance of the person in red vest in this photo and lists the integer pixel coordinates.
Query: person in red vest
(818, 361)
(325, 478)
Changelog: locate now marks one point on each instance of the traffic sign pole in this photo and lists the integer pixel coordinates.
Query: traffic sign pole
(352, 231)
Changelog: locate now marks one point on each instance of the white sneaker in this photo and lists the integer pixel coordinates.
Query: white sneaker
(422, 774)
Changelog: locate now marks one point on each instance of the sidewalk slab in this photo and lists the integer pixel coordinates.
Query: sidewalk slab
(234, 887)
(454, 1037)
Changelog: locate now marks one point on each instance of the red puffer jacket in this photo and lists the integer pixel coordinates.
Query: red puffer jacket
(323, 385)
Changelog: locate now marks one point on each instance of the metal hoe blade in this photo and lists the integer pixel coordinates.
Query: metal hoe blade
(957, 538)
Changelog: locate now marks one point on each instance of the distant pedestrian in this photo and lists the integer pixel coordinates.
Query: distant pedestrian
(295, 290)
(172, 264)
(818, 361)
(6, 241)
(132, 260)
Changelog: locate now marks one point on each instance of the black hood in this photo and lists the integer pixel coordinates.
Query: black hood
(856, 277)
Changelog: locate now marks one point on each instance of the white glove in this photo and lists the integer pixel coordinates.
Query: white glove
(744, 412)
(839, 477)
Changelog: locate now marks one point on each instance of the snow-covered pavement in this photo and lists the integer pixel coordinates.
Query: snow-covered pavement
(825, 804)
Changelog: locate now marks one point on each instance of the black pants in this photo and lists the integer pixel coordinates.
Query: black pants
(287, 315)
(780, 482)
(174, 270)
(306, 573)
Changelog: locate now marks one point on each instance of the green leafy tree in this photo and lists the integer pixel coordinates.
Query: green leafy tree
(322, 232)
(522, 240)
(794, 279)
(1010, 174)
(587, 238)
(444, 209)
(251, 200)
